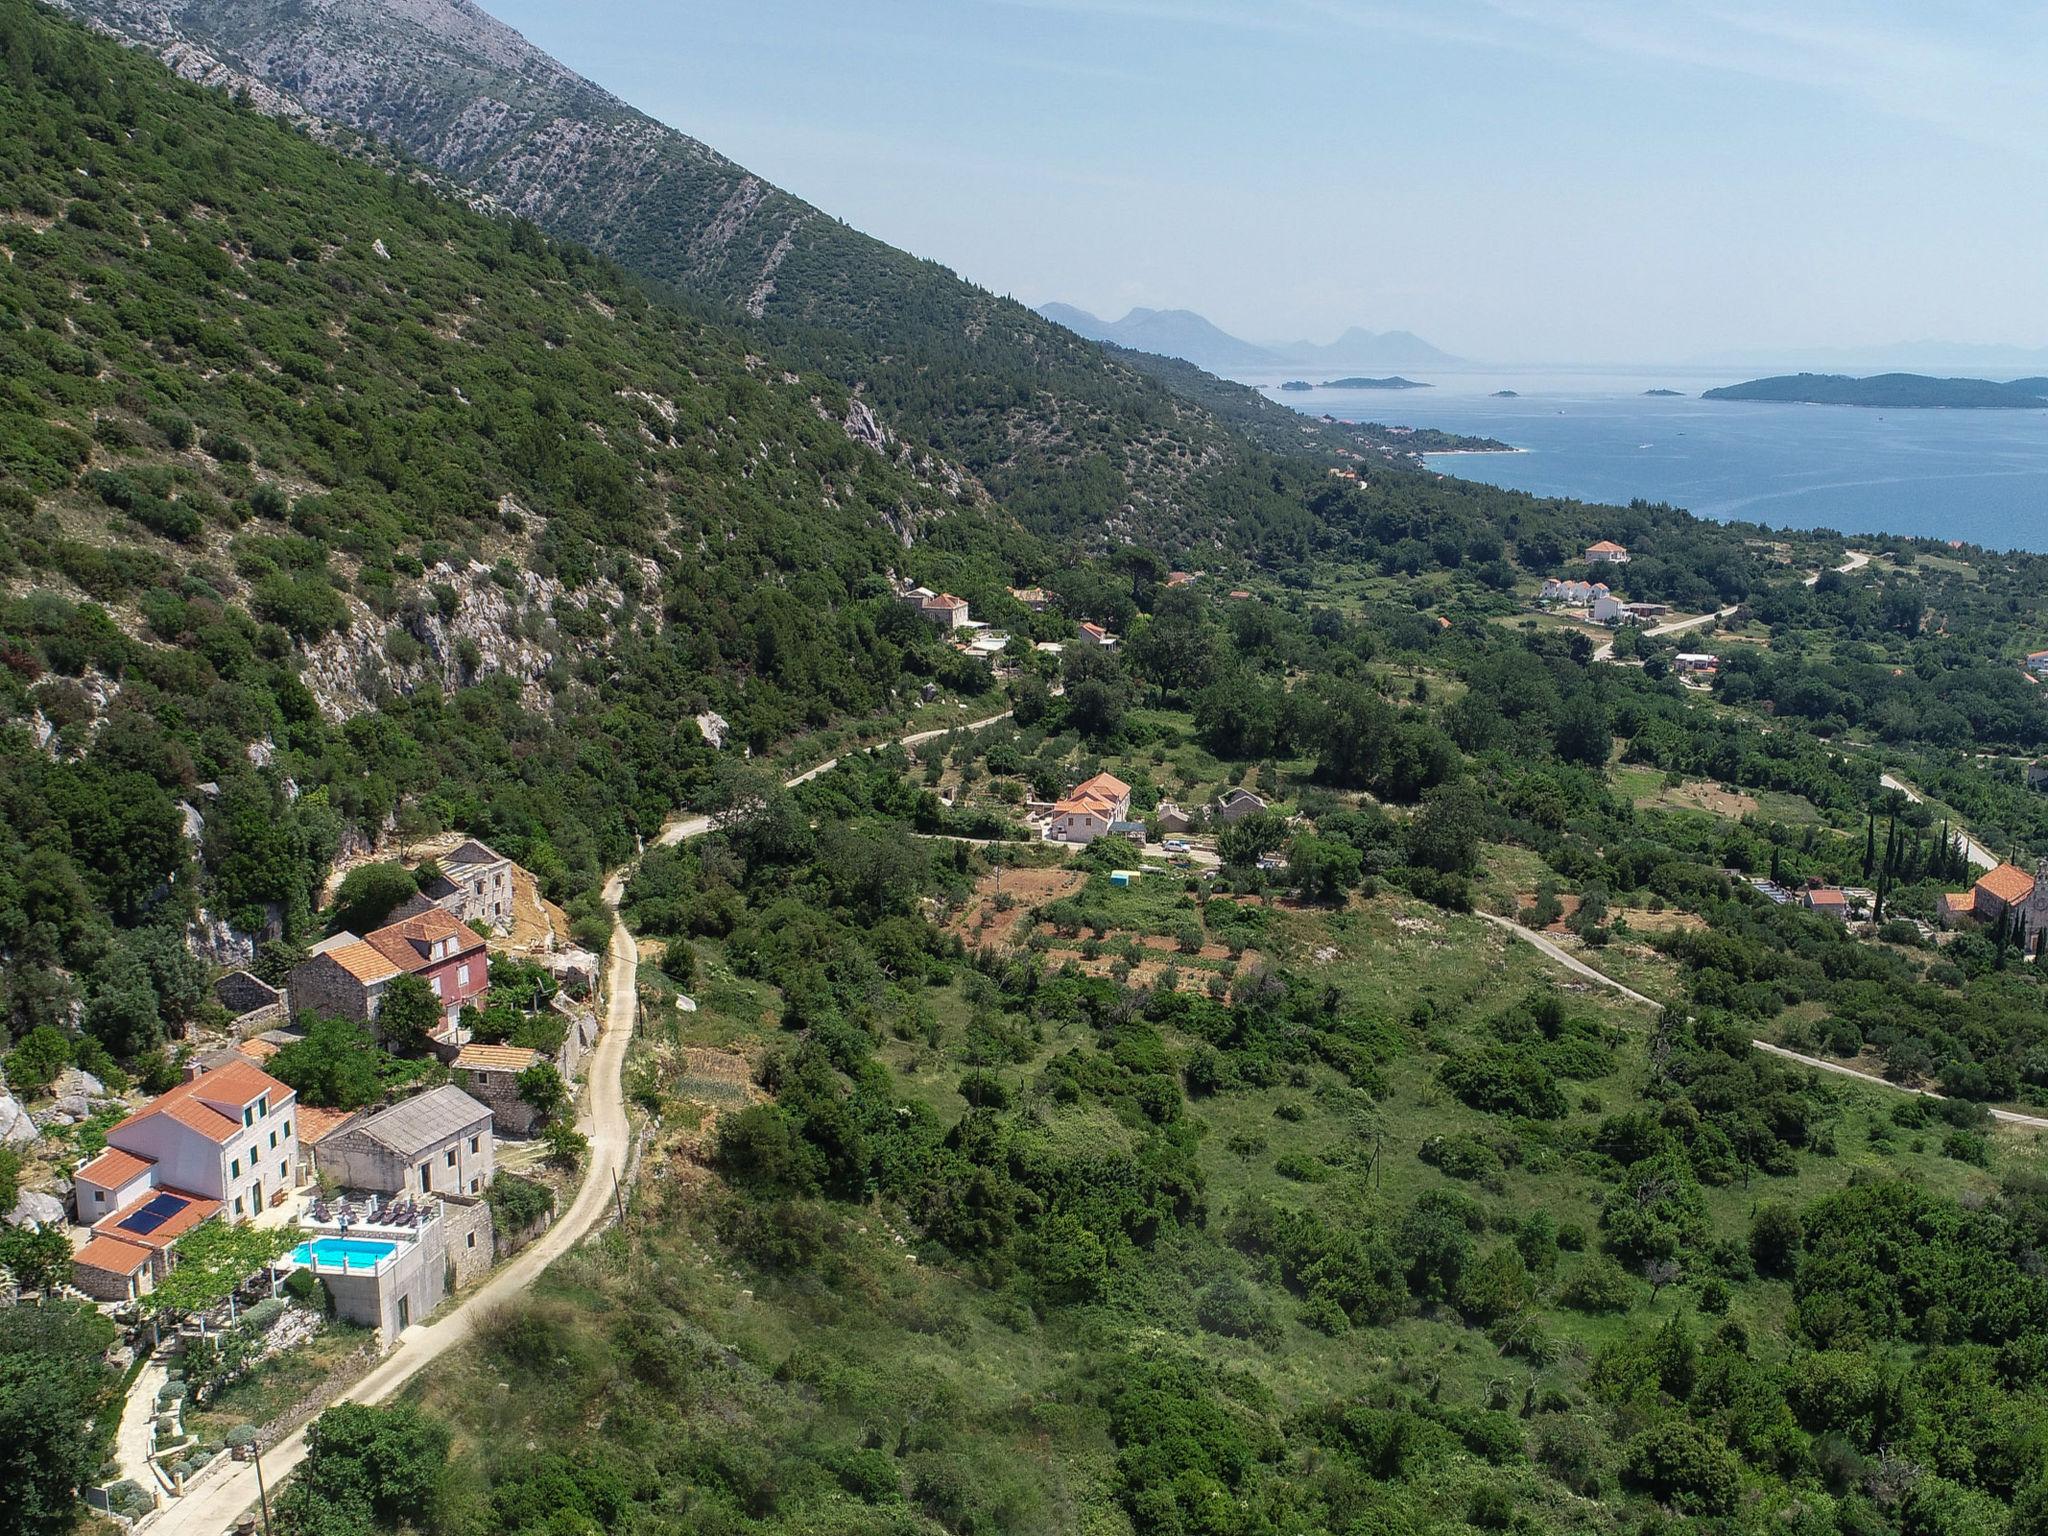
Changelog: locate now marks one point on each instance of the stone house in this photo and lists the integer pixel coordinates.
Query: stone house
(1237, 804)
(254, 1002)
(490, 1075)
(437, 1142)
(474, 885)
(348, 977)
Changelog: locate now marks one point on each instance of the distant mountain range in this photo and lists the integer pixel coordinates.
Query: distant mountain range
(1895, 391)
(1188, 336)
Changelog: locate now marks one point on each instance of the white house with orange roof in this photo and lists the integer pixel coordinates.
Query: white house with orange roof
(1089, 810)
(224, 1136)
(2037, 662)
(1095, 634)
(1606, 552)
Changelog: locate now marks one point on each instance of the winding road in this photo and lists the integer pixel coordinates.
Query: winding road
(218, 1504)
(1974, 851)
(1579, 967)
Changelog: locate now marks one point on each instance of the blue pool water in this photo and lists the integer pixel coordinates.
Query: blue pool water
(343, 1252)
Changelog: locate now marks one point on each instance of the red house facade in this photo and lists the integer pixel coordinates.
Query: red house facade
(447, 955)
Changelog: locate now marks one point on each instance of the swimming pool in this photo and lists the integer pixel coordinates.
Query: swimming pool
(343, 1252)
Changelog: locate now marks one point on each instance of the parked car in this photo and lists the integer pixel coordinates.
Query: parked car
(1175, 845)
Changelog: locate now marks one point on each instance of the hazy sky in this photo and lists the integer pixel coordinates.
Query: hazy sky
(1516, 180)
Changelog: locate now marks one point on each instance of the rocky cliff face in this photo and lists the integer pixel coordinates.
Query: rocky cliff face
(465, 93)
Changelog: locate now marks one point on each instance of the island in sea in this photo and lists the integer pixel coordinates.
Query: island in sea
(1672, 393)
(1394, 382)
(1297, 384)
(1898, 391)
(1507, 394)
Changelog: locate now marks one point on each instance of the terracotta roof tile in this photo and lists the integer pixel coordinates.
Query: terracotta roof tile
(238, 1083)
(495, 1058)
(364, 961)
(2008, 882)
(112, 1255)
(1103, 784)
(197, 1209)
(406, 944)
(315, 1122)
(114, 1167)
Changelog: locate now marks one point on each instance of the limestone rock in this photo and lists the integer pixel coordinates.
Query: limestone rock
(35, 1207)
(16, 1128)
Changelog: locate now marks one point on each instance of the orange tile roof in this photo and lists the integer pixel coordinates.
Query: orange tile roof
(315, 1122)
(1085, 806)
(238, 1083)
(113, 1168)
(496, 1058)
(258, 1049)
(1103, 784)
(197, 1209)
(2008, 883)
(406, 944)
(112, 1255)
(1960, 901)
(1606, 547)
(363, 961)
(1827, 896)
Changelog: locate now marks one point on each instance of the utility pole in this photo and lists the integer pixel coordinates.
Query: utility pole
(262, 1492)
(618, 1197)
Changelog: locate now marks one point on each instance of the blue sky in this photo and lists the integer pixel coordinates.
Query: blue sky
(1516, 180)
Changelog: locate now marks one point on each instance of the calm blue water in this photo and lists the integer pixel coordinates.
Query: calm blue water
(1978, 476)
(343, 1252)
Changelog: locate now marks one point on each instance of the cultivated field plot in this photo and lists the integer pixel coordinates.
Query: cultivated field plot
(984, 920)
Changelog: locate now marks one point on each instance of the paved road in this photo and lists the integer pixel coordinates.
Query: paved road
(1856, 561)
(2010, 1116)
(1568, 960)
(216, 1505)
(1974, 851)
(1671, 627)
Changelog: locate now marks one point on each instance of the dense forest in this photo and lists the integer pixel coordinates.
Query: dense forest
(1291, 1196)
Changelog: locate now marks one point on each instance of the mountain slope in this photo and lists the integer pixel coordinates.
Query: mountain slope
(1076, 443)
(325, 499)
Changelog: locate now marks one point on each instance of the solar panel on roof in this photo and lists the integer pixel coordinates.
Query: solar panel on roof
(153, 1215)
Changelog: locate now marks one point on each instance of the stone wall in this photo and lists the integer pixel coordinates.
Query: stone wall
(472, 1241)
(321, 986)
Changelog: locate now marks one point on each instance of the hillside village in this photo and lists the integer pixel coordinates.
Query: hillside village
(424, 1049)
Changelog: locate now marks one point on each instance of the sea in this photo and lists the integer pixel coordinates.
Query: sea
(1979, 476)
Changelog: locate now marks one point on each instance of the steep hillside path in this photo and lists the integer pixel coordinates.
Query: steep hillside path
(2009, 1116)
(1978, 855)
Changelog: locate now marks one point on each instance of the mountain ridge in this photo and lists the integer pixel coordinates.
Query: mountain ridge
(1193, 338)
(1075, 441)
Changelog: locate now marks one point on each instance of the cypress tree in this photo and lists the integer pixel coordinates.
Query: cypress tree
(1869, 843)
